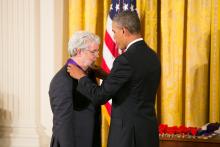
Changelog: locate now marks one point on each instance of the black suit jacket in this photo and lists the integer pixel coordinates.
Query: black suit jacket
(132, 85)
(75, 118)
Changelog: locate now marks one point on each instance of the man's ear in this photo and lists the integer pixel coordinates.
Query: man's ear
(78, 51)
(125, 31)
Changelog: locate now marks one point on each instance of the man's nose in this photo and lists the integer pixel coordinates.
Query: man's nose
(96, 55)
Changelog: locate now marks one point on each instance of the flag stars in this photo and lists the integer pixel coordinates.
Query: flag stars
(132, 7)
(125, 7)
(111, 8)
(117, 7)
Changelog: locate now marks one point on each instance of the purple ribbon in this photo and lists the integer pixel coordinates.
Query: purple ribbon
(71, 61)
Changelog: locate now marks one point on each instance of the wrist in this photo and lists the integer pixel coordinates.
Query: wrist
(82, 75)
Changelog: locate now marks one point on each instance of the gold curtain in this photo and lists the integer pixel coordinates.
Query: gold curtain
(186, 35)
(214, 95)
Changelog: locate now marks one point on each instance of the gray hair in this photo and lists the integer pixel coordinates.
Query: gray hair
(82, 40)
(129, 20)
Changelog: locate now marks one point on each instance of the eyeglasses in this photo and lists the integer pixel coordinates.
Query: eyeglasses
(96, 52)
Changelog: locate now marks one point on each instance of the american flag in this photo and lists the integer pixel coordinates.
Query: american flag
(110, 51)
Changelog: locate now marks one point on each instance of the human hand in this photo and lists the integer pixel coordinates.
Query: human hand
(75, 72)
(99, 73)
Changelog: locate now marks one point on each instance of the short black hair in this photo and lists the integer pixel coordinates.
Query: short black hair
(129, 20)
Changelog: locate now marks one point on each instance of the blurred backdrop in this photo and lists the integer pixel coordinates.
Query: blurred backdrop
(33, 46)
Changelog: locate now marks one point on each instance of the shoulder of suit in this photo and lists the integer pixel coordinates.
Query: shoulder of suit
(62, 75)
(122, 59)
(141, 42)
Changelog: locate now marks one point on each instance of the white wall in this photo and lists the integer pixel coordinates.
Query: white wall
(51, 34)
(30, 54)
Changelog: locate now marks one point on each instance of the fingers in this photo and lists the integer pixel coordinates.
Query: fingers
(69, 67)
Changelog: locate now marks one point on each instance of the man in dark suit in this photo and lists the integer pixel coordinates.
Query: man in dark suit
(75, 118)
(132, 84)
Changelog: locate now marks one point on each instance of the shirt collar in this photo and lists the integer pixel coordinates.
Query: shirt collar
(71, 61)
(132, 42)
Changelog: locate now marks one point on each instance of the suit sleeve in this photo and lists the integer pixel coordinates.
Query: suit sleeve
(61, 100)
(120, 74)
